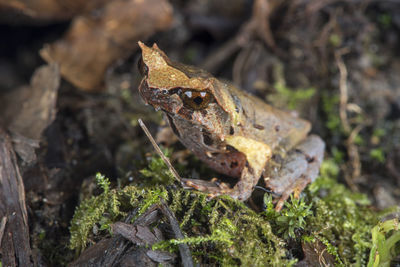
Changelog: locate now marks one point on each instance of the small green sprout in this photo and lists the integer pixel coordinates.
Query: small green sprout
(377, 154)
(385, 236)
(290, 218)
(293, 96)
(335, 40)
(103, 182)
(385, 20)
(157, 170)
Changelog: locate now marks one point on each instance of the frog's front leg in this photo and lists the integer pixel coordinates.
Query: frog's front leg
(256, 156)
(241, 191)
(299, 168)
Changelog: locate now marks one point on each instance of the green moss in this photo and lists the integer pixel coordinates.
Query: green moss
(335, 40)
(330, 213)
(237, 234)
(342, 219)
(385, 243)
(156, 171)
(92, 211)
(330, 105)
(290, 218)
(229, 222)
(385, 20)
(226, 232)
(377, 154)
(289, 97)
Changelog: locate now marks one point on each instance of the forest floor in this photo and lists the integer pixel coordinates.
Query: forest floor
(69, 106)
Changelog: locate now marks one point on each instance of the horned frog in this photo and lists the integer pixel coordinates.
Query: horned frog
(232, 131)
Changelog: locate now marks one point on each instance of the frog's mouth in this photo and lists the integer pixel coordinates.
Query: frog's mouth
(168, 101)
(159, 98)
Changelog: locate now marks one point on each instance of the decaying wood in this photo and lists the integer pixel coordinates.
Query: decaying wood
(118, 250)
(2, 227)
(15, 248)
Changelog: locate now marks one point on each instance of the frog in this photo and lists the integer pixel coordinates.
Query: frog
(235, 133)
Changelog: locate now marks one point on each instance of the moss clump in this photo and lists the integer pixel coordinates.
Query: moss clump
(225, 231)
(221, 231)
(156, 170)
(98, 212)
(237, 234)
(291, 218)
(292, 97)
(341, 220)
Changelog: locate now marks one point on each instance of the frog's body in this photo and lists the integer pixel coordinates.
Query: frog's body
(233, 132)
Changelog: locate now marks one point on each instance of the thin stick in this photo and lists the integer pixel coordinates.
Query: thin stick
(343, 89)
(159, 152)
(2, 226)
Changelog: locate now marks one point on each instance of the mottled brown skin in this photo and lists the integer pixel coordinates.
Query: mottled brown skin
(235, 133)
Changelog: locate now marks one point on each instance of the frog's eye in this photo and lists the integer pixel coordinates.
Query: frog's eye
(195, 99)
(142, 67)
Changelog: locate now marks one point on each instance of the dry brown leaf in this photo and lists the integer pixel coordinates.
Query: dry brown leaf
(27, 111)
(50, 9)
(93, 42)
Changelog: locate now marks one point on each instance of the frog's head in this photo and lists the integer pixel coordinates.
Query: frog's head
(184, 92)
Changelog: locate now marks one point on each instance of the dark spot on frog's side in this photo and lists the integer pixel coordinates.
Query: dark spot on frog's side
(234, 164)
(207, 138)
(230, 164)
(231, 131)
(310, 159)
(258, 126)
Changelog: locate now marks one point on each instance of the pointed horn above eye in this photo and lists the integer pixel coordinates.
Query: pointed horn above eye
(142, 45)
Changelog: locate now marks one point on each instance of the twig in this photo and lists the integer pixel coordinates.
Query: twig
(343, 89)
(257, 26)
(159, 152)
(354, 157)
(352, 149)
(2, 227)
(216, 58)
(184, 250)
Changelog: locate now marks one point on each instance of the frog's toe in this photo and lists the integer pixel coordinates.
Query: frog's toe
(213, 188)
(296, 188)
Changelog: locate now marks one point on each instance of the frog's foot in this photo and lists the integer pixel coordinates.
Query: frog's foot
(241, 191)
(299, 168)
(214, 187)
(296, 188)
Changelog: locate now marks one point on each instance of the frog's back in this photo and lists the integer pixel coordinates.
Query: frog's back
(267, 124)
